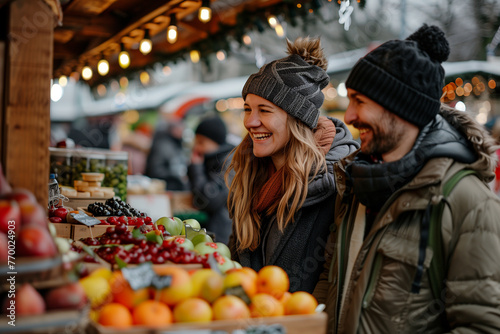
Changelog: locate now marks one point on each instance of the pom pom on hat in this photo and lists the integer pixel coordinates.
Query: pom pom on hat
(405, 76)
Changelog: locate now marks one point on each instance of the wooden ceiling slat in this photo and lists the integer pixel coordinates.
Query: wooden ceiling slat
(88, 7)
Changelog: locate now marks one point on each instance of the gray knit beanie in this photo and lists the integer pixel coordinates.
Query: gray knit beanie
(294, 83)
(405, 76)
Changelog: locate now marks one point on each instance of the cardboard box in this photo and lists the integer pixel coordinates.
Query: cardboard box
(292, 324)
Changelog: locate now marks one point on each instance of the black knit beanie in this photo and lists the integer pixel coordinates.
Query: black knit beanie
(213, 128)
(293, 84)
(405, 76)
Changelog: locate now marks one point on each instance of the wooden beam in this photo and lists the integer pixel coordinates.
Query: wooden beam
(89, 7)
(27, 99)
(3, 136)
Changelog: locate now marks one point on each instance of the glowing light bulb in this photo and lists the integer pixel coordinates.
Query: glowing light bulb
(63, 80)
(103, 67)
(87, 73)
(172, 34)
(146, 45)
(205, 12)
(124, 59)
(273, 21)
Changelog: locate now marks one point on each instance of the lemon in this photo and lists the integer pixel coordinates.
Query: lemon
(97, 289)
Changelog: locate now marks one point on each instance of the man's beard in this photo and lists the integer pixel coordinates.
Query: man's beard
(386, 135)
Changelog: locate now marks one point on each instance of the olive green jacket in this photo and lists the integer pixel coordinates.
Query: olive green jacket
(377, 296)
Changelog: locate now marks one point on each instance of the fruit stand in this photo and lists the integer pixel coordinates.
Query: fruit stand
(104, 266)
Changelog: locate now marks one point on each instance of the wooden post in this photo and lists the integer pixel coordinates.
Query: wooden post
(26, 113)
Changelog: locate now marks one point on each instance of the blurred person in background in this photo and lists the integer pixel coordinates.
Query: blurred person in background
(166, 159)
(206, 175)
(137, 143)
(282, 193)
(394, 264)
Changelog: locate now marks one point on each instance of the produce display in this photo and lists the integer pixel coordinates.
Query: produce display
(198, 296)
(149, 273)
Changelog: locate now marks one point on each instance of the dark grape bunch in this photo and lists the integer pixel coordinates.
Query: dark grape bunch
(114, 207)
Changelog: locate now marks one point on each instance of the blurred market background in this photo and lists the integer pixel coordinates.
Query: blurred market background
(101, 101)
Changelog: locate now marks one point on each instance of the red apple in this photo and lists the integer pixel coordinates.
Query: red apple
(56, 220)
(70, 296)
(32, 214)
(9, 211)
(28, 301)
(34, 240)
(20, 195)
(61, 213)
(3, 248)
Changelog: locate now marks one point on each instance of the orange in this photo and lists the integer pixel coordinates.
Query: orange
(180, 287)
(264, 305)
(272, 280)
(193, 310)
(285, 297)
(230, 307)
(115, 315)
(300, 302)
(238, 277)
(152, 313)
(122, 292)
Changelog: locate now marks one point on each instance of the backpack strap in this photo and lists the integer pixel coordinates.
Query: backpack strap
(437, 266)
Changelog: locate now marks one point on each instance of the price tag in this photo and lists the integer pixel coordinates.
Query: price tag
(160, 282)
(239, 292)
(143, 276)
(269, 329)
(139, 277)
(85, 219)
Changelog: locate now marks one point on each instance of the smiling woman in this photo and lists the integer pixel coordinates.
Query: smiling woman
(282, 193)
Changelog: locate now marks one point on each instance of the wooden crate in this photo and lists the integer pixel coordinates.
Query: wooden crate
(83, 202)
(50, 322)
(292, 324)
(79, 231)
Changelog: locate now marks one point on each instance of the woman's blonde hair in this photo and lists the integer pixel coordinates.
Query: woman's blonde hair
(303, 161)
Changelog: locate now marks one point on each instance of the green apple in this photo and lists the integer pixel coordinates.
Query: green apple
(183, 242)
(223, 249)
(193, 223)
(224, 263)
(172, 226)
(177, 219)
(206, 248)
(237, 264)
(201, 238)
